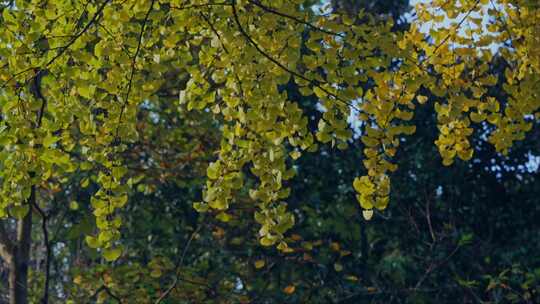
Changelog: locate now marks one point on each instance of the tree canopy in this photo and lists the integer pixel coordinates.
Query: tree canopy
(105, 101)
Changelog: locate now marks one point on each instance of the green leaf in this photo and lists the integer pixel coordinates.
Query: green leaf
(73, 205)
(224, 217)
(92, 242)
(112, 254)
(156, 273)
(19, 211)
(265, 241)
(295, 154)
(49, 140)
(213, 170)
(259, 264)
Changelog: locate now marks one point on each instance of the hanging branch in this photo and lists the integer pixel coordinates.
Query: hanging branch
(38, 94)
(199, 5)
(455, 30)
(133, 62)
(279, 64)
(76, 37)
(64, 48)
(298, 20)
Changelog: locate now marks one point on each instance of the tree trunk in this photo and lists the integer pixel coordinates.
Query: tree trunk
(18, 267)
(18, 282)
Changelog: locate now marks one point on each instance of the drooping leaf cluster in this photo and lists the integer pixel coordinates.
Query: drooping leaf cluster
(75, 75)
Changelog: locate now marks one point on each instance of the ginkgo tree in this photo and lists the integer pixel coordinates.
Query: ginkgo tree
(74, 75)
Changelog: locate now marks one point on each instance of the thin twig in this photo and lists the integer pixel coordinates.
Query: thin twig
(108, 291)
(298, 20)
(44, 219)
(214, 30)
(455, 30)
(114, 38)
(76, 37)
(200, 5)
(62, 49)
(133, 62)
(279, 64)
(428, 216)
(504, 24)
(433, 266)
(350, 297)
(177, 267)
(39, 95)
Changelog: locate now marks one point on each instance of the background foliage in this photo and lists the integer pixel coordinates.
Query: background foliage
(465, 233)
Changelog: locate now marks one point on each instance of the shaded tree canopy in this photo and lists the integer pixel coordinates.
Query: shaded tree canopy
(112, 109)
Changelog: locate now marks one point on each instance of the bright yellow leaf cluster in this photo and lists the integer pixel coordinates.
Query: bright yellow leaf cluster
(74, 74)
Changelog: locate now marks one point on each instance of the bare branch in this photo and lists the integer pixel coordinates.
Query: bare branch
(178, 265)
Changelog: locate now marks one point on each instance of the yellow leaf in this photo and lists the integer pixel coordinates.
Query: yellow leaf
(224, 217)
(287, 250)
(367, 214)
(156, 273)
(73, 205)
(112, 254)
(259, 264)
(266, 241)
(295, 154)
(371, 289)
(289, 289)
(92, 242)
(344, 253)
(421, 99)
(296, 237)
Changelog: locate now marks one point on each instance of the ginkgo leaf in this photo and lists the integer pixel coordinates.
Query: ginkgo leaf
(367, 214)
(118, 77)
(73, 205)
(49, 140)
(156, 273)
(295, 154)
(290, 289)
(112, 254)
(92, 242)
(421, 99)
(77, 279)
(19, 211)
(259, 264)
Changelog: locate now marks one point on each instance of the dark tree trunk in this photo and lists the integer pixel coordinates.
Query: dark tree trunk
(18, 264)
(18, 282)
